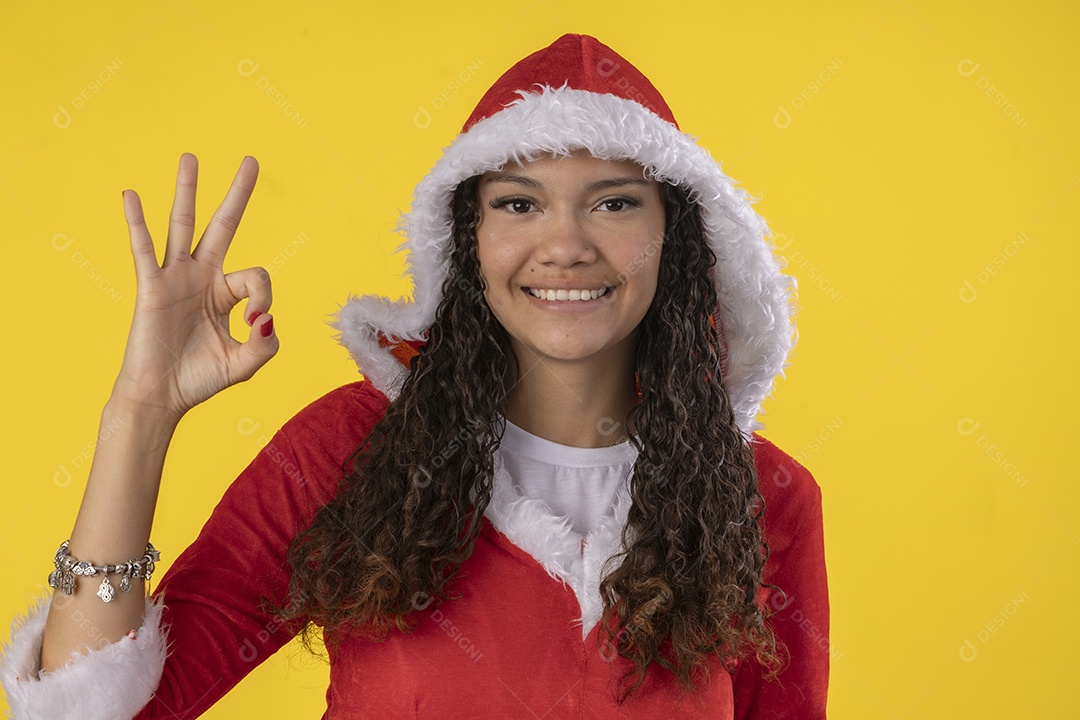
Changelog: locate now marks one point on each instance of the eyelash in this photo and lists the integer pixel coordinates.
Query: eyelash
(497, 203)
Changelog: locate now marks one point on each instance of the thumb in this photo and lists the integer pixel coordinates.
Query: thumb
(262, 345)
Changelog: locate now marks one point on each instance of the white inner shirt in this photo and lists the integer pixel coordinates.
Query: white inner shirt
(577, 483)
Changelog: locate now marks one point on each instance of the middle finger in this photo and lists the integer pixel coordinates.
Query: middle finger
(182, 218)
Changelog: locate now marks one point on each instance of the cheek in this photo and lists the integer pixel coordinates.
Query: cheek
(640, 264)
(647, 279)
(486, 253)
(501, 255)
(493, 269)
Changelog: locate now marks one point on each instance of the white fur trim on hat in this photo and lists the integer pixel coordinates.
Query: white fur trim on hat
(756, 299)
(111, 683)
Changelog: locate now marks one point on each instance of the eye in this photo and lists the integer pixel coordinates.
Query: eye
(516, 205)
(618, 204)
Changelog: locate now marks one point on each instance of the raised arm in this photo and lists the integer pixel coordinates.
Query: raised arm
(179, 353)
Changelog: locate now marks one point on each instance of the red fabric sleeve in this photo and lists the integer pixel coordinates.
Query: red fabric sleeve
(793, 528)
(216, 632)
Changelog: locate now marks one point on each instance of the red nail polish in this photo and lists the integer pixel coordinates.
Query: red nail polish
(268, 328)
(253, 317)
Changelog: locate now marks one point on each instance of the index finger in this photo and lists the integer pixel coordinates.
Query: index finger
(142, 246)
(215, 240)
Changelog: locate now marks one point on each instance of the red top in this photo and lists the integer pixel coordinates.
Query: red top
(506, 649)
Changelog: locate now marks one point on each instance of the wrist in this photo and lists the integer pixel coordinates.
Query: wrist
(145, 418)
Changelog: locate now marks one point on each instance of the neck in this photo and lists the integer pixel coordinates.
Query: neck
(581, 404)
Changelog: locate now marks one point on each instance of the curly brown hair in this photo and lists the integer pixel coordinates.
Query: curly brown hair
(403, 522)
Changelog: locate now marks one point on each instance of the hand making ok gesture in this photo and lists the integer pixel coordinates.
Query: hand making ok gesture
(180, 350)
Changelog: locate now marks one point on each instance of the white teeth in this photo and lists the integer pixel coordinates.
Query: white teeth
(567, 294)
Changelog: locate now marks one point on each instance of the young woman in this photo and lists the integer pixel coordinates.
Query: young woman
(546, 498)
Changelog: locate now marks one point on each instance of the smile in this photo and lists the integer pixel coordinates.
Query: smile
(568, 295)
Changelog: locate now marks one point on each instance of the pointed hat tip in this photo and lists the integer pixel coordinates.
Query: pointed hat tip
(581, 62)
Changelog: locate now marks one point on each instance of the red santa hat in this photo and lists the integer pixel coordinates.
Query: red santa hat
(578, 93)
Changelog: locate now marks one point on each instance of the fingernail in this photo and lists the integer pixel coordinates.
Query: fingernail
(268, 328)
(253, 316)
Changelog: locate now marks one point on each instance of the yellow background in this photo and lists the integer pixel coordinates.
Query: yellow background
(917, 161)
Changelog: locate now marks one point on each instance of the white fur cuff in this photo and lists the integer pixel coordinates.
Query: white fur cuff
(112, 683)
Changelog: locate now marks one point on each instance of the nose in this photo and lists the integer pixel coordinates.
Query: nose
(565, 240)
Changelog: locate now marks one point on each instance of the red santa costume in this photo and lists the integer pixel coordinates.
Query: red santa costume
(523, 639)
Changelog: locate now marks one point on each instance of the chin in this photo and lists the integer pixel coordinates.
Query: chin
(568, 351)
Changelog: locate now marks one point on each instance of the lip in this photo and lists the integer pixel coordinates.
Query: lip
(568, 285)
(569, 306)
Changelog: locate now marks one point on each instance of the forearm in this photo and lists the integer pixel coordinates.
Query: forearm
(113, 525)
(175, 358)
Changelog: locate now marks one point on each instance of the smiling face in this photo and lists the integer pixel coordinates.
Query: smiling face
(569, 251)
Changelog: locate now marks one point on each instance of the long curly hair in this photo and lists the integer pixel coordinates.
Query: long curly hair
(402, 522)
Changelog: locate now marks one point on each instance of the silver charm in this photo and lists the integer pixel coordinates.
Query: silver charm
(125, 583)
(84, 568)
(67, 583)
(105, 592)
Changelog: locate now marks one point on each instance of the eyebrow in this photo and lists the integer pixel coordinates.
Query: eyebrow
(598, 185)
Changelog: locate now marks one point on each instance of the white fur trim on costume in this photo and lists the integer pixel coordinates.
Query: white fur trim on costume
(756, 299)
(531, 525)
(111, 683)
